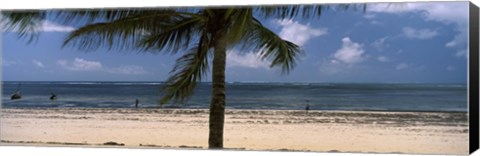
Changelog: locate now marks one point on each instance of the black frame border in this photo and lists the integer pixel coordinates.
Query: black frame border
(473, 78)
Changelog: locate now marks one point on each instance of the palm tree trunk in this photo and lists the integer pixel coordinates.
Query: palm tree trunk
(217, 105)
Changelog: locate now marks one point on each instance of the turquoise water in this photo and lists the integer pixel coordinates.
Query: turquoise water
(278, 96)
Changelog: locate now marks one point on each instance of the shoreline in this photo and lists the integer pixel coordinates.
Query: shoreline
(182, 147)
(245, 109)
(290, 130)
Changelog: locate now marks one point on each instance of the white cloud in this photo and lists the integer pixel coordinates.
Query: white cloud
(335, 67)
(332, 67)
(62, 63)
(249, 60)
(298, 33)
(447, 12)
(419, 34)
(450, 68)
(369, 16)
(402, 66)
(383, 59)
(459, 40)
(380, 44)
(79, 64)
(391, 7)
(350, 52)
(129, 70)
(400, 51)
(410, 67)
(6, 63)
(375, 22)
(46, 26)
(462, 53)
(438, 11)
(38, 64)
(450, 44)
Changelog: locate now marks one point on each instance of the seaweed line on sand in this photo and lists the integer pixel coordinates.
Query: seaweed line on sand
(110, 143)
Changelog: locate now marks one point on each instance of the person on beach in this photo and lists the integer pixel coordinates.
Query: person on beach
(307, 108)
(136, 103)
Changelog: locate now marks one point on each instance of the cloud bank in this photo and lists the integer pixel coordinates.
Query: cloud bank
(80, 64)
(299, 33)
(350, 52)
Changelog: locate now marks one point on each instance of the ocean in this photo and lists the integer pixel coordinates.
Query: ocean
(244, 95)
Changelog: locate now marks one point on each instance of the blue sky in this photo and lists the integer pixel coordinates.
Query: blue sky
(400, 43)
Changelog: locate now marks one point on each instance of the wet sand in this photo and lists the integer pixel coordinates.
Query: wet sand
(319, 131)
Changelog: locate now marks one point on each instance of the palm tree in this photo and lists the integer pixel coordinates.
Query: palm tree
(201, 33)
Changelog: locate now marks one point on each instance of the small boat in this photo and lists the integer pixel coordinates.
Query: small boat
(53, 97)
(17, 95)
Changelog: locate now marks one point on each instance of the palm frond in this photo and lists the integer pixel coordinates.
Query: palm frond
(280, 52)
(124, 33)
(174, 36)
(241, 18)
(188, 69)
(87, 16)
(305, 11)
(26, 24)
(291, 11)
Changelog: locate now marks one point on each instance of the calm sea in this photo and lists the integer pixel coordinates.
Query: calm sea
(278, 96)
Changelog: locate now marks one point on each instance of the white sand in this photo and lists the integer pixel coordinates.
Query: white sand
(324, 131)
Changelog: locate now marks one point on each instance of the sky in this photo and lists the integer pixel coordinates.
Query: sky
(397, 43)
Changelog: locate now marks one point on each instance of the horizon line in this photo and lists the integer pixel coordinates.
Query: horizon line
(245, 82)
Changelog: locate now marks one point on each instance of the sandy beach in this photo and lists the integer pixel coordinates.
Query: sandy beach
(319, 131)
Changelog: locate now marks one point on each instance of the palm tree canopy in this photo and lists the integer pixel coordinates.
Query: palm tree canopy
(167, 30)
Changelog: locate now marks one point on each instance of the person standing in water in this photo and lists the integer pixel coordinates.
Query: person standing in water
(307, 108)
(136, 103)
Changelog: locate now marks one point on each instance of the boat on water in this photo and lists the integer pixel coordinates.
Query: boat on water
(53, 97)
(16, 95)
